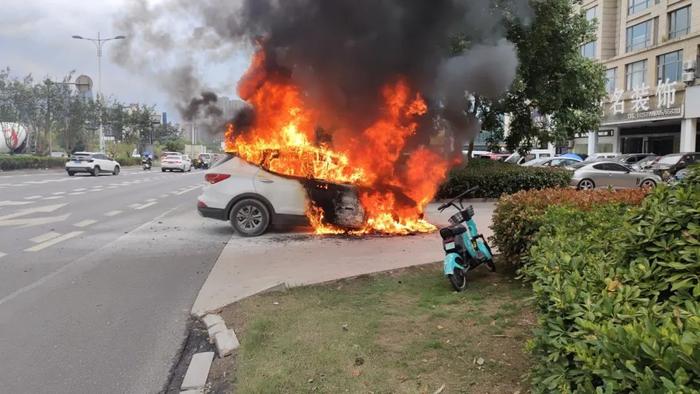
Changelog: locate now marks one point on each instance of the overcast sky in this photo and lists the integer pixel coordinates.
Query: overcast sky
(35, 37)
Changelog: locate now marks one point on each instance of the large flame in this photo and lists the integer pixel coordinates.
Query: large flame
(284, 138)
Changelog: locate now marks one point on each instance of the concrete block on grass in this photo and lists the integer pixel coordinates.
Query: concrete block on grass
(216, 328)
(198, 391)
(226, 342)
(197, 372)
(212, 320)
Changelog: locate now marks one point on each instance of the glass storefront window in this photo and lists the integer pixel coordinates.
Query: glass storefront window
(639, 36)
(634, 6)
(610, 80)
(679, 22)
(670, 66)
(588, 50)
(635, 74)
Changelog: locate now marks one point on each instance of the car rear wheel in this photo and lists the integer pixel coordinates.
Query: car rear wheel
(586, 184)
(250, 217)
(96, 171)
(648, 184)
(71, 173)
(162, 169)
(116, 171)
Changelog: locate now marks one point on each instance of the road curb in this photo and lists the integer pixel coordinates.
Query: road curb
(222, 337)
(197, 372)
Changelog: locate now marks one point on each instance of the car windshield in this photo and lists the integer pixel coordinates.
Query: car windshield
(669, 160)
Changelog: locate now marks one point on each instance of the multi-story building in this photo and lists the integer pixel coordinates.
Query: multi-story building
(650, 50)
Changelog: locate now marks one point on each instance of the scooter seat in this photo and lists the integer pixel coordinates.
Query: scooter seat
(452, 231)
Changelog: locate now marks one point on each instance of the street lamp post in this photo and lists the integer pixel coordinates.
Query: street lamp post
(99, 42)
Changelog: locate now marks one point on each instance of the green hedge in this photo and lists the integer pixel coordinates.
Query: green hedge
(19, 162)
(129, 161)
(618, 296)
(495, 178)
(518, 217)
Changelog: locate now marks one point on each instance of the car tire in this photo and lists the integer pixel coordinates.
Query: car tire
(116, 171)
(648, 184)
(250, 217)
(71, 173)
(586, 184)
(96, 171)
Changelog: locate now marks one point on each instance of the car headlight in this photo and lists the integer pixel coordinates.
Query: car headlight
(665, 175)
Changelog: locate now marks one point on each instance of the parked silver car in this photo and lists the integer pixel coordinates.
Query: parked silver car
(610, 174)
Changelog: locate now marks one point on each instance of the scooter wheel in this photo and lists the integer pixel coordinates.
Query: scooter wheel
(490, 265)
(458, 279)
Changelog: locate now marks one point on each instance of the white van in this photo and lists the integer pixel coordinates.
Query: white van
(515, 158)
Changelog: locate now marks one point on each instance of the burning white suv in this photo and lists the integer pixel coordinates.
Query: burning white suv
(253, 199)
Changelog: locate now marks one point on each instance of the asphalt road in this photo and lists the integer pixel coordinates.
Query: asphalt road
(97, 278)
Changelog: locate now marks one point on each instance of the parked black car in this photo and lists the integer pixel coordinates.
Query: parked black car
(667, 166)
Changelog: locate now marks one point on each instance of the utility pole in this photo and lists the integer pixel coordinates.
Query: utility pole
(99, 42)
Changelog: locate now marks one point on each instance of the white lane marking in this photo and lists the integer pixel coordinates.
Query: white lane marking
(76, 193)
(163, 195)
(33, 197)
(29, 211)
(2, 255)
(146, 205)
(80, 189)
(29, 222)
(45, 237)
(52, 198)
(58, 193)
(85, 223)
(187, 190)
(152, 199)
(14, 203)
(113, 213)
(73, 263)
(134, 206)
(53, 242)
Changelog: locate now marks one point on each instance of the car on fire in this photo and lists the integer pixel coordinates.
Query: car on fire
(253, 199)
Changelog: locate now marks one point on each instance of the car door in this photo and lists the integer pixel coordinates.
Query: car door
(104, 162)
(287, 195)
(621, 177)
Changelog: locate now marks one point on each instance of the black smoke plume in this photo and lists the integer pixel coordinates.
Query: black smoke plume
(341, 52)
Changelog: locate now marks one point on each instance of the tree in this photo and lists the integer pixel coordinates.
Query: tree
(557, 92)
(174, 145)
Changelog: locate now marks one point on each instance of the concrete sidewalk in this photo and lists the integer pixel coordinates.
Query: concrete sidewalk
(248, 266)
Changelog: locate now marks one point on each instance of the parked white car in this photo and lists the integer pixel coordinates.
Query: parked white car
(92, 163)
(253, 199)
(603, 156)
(534, 154)
(176, 162)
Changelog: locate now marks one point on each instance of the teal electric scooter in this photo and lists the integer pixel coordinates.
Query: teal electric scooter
(465, 248)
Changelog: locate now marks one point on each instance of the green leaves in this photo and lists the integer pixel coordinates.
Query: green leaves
(633, 322)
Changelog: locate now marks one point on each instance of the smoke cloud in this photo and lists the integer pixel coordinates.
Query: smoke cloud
(339, 52)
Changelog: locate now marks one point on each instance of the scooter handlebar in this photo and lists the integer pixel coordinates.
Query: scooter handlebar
(447, 204)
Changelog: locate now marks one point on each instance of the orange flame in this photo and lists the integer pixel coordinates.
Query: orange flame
(284, 138)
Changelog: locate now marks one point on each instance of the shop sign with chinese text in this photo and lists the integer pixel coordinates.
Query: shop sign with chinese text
(644, 104)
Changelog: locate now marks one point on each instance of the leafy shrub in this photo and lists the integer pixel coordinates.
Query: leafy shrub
(129, 161)
(495, 178)
(20, 162)
(519, 216)
(618, 294)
